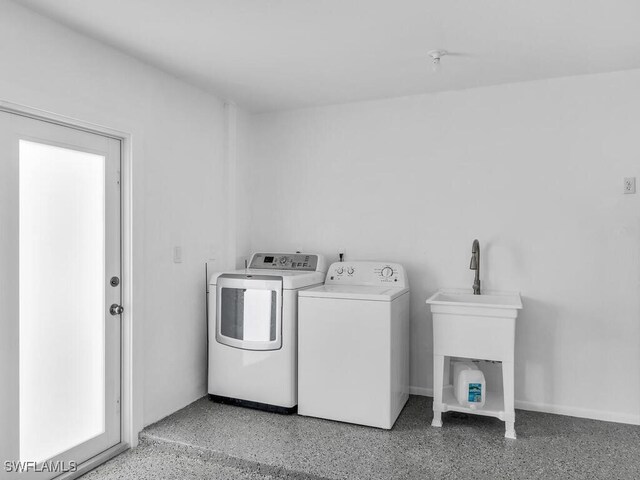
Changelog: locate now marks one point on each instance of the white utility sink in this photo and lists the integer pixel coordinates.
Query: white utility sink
(476, 327)
(468, 300)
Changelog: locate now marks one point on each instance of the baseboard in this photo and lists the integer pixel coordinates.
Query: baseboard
(579, 412)
(421, 391)
(556, 409)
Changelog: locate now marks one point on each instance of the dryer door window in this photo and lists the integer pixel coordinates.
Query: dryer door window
(249, 311)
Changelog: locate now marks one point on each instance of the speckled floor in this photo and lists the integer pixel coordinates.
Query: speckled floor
(209, 440)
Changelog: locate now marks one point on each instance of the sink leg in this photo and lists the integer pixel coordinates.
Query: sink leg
(508, 381)
(438, 377)
(437, 419)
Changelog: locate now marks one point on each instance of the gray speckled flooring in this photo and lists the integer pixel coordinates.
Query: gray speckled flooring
(166, 461)
(209, 440)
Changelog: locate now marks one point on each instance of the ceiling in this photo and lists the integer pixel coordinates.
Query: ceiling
(269, 55)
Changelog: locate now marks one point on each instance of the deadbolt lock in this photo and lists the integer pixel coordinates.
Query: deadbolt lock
(115, 281)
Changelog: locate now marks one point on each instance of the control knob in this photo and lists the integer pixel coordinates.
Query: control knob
(386, 272)
(350, 270)
(340, 270)
(283, 261)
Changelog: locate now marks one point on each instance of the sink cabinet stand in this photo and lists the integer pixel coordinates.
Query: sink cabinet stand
(474, 332)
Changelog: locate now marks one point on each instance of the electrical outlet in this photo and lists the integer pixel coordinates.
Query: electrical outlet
(630, 185)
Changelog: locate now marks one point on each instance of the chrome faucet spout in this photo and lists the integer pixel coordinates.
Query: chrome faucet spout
(475, 265)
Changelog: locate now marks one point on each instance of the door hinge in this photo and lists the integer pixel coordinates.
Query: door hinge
(118, 178)
(118, 405)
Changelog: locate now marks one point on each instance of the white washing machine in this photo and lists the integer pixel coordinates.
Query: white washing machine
(252, 318)
(353, 344)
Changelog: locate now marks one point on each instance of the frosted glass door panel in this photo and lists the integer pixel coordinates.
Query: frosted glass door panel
(62, 298)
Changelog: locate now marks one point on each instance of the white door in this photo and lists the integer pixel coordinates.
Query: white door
(59, 276)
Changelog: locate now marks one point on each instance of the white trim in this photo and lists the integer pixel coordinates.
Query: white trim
(556, 409)
(131, 380)
(579, 412)
(132, 421)
(421, 391)
(94, 462)
(51, 117)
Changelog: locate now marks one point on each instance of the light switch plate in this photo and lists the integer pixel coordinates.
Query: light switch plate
(629, 184)
(177, 254)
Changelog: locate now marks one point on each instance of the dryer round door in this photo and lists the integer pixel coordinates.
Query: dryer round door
(249, 311)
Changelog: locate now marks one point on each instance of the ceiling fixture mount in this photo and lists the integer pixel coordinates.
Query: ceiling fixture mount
(436, 55)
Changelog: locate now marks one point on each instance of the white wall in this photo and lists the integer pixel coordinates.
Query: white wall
(178, 134)
(533, 170)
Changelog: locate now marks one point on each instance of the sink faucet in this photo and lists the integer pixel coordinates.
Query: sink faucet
(475, 265)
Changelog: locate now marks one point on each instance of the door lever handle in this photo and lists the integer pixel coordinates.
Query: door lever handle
(116, 309)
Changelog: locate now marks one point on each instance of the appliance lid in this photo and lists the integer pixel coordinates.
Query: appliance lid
(355, 292)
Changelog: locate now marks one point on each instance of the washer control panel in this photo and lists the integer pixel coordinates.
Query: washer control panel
(286, 261)
(367, 273)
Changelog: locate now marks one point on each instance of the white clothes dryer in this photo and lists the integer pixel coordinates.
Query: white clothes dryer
(253, 316)
(353, 344)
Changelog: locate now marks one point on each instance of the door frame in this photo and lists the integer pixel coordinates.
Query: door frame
(131, 373)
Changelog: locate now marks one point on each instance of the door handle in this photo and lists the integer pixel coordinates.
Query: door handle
(116, 309)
